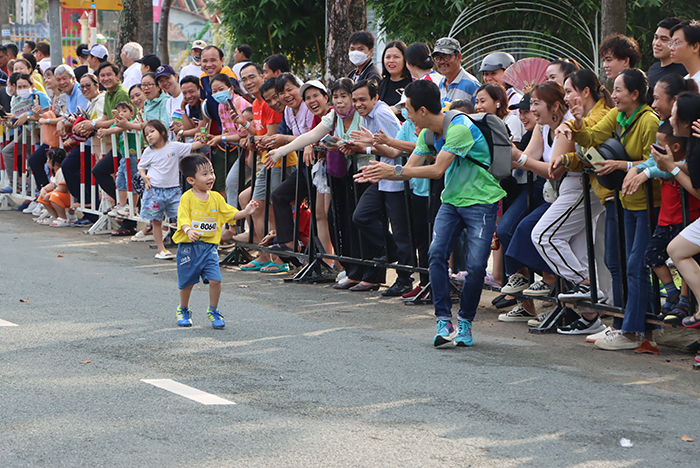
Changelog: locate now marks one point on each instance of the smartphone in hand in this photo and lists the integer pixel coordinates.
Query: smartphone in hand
(659, 148)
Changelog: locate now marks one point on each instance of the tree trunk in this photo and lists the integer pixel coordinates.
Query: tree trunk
(146, 29)
(613, 17)
(129, 26)
(5, 14)
(344, 18)
(163, 42)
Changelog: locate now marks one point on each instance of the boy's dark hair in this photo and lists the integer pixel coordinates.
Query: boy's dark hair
(158, 126)
(621, 47)
(125, 105)
(691, 31)
(246, 50)
(13, 49)
(248, 109)
(668, 23)
(267, 85)
(191, 79)
(31, 44)
(371, 86)
(277, 62)
(667, 129)
(463, 105)
(258, 68)
(362, 37)
(424, 93)
(111, 65)
(56, 155)
(190, 164)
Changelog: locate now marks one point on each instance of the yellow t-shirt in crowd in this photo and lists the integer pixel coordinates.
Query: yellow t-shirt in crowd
(206, 217)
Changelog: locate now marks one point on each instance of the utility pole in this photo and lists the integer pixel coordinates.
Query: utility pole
(55, 32)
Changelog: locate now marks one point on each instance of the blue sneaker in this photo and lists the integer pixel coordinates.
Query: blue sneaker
(184, 317)
(217, 320)
(464, 334)
(445, 333)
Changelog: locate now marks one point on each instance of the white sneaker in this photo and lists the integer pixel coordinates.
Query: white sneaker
(581, 292)
(534, 323)
(60, 222)
(342, 276)
(582, 327)
(32, 206)
(38, 210)
(41, 212)
(538, 288)
(113, 211)
(519, 314)
(600, 335)
(615, 341)
(516, 284)
(122, 211)
(46, 221)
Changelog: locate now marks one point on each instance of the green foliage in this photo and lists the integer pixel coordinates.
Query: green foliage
(290, 27)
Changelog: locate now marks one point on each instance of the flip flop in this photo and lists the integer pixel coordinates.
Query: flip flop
(257, 266)
(283, 268)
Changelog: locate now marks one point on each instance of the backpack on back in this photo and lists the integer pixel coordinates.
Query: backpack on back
(496, 134)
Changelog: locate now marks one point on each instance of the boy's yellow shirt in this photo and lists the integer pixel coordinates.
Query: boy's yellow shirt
(205, 217)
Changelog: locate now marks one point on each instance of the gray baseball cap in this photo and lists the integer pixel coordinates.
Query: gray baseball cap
(446, 45)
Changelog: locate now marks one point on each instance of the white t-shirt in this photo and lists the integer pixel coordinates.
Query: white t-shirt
(190, 70)
(237, 68)
(132, 76)
(44, 64)
(695, 77)
(162, 165)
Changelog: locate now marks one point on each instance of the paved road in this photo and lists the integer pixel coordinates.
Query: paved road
(318, 377)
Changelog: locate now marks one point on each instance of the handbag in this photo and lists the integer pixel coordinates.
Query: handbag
(613, 149)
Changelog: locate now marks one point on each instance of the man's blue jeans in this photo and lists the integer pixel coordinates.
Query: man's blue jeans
(480, 224)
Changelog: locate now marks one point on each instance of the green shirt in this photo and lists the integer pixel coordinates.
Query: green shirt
(120, 94)
(466, 184)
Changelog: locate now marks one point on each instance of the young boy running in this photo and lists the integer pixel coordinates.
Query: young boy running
(200, 217)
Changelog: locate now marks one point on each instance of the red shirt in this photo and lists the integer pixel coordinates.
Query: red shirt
(671, 212)
(264, 116)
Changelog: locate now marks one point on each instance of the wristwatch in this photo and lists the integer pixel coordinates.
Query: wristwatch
(398, 170)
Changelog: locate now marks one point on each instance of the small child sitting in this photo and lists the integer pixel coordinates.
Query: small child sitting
(55, 196)
(200, 217)
(159, 170)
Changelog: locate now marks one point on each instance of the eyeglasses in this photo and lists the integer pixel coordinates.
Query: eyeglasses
(675, 43)
(248, 78)
(442, 58)
(147, 85)
(87, 86)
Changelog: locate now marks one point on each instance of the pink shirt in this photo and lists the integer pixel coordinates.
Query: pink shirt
(229, 127)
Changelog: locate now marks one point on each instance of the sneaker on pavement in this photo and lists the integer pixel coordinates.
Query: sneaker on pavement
(519, 314)
(46, 221)
(413, 293)
(581, 292)
(124, 211)
(38, 209)
(217, 320)
(615, 341)
(534, 323)
(538, 288)
(582, 327)
(600, 335)
(184, 317)
(516, 284)
(464, 333)
(113, 211)
(59, 222)
(445, 333)
(32, 206)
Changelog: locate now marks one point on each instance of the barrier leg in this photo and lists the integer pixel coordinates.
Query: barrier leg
(82, 176)
(238, 255)
(24, 156)
(6, 200)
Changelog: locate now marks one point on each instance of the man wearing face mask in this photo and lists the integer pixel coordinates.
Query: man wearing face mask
(361, 52)
(131, 52)
(194, 68)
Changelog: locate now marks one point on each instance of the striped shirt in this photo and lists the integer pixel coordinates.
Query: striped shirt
(464, 87)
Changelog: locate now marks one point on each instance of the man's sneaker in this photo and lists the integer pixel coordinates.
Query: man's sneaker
(519, 314)
(615, 341)
(445, 333)
(464, 333)
(582, 327)
(124, 212)
(184, 317)
(600, 335)
(38, 209)
(32, 206)
(581, 292)
(516, 284)
(113, 211)
(534, 323)
(217, 320)
(538, 288)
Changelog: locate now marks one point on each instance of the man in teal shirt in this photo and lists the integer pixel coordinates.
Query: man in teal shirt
(469, 201)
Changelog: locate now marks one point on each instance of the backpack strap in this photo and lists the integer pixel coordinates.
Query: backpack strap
(430, 135)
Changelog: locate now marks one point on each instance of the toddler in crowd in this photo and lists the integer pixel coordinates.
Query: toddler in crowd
(159, 170)
(200, 217)
(55, 196)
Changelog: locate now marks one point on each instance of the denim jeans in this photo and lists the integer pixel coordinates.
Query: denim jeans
(480, 223)
(611, 249)
(639, 295)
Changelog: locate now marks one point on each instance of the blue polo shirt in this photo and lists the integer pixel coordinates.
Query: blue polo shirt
(75, 100)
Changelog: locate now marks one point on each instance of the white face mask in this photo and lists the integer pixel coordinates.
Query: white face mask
(24, 93)
(357, 58)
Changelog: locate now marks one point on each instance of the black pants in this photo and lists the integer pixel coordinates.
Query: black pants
(345, 234)
(103, 172)
(37, 161)
(421, 232)
(282, 199)
(71, 172)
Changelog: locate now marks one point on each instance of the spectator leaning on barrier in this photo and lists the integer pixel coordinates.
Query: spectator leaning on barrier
(168, 81)
(191, 108)
(194, 68)
(469, 202)
(131, 52)
(212, 65)
(456, 82)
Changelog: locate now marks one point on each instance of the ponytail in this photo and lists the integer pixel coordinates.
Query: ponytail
(583, 79)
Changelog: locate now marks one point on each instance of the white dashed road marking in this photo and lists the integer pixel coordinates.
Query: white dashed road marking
(4, 323)
(188, 392)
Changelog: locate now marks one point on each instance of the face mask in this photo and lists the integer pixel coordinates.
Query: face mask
(221, 97)
(24, 93)
(197, 60)
(357, 58)
(404, 113)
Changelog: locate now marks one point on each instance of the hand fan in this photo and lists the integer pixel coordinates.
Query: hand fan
(524, 74)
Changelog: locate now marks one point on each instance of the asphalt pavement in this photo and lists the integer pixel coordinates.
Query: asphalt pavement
(308, 376)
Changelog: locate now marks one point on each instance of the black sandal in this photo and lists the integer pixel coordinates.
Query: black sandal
(123, 232)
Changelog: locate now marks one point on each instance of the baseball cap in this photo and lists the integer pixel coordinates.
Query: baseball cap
(99, 51)
(524, 103)
(198, 44)
(312, 84)
(402, 102)
(446, 45)
(150, 60)
(164, 70)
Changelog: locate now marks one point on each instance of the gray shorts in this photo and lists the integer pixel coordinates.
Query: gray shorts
(275, 180)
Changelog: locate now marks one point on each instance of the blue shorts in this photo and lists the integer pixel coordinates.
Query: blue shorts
(159, 202)
(195, 260)
(121, 172)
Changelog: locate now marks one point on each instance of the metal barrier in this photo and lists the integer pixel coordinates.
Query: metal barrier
(21, 171)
